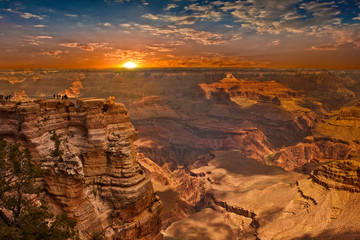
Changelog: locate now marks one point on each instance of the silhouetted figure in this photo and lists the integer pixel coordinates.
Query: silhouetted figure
(1, 97)
(65, 97)
(54, 96)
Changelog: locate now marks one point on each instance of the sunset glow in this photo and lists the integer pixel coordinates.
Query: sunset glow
(130, 65)
(198, 33)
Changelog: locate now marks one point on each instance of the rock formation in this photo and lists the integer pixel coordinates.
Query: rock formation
(342, 175)
(91, 165)
(257, 201)
(269, 91)
(336, 137)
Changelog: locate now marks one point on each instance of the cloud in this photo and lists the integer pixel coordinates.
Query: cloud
(315, 6)
(71, 15)
(150, 16)
(198, 8)
(198, 13)
(51, 52)
(37, 40)
(25, 15)
(40, 26)
(160, 47)
(43, 37)
(30, 15)
(127, 55)
(201, 37)
(11, 10)
(275, 42)
(279, 16)
(107, 24)
(170, 6)
(125, 25)
(86, 46)
(209, 60)
(180, 20)
(324, 47)
(342, 38)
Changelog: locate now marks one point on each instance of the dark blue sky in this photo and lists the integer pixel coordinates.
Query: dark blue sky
(271, 33)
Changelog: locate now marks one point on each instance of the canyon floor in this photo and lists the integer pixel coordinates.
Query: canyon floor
(235, 153)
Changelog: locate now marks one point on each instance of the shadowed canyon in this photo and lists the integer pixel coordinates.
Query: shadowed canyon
(194, 153)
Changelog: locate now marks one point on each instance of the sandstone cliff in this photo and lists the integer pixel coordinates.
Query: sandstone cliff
(336, 137)
(91, 165)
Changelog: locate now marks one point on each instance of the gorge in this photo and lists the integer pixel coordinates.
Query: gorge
(231, 153)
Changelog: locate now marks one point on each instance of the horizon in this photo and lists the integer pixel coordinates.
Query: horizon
(202, 34)
(139, 69)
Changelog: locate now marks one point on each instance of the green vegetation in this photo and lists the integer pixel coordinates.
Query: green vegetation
(56, 152)
(22, 214)
(269, 158)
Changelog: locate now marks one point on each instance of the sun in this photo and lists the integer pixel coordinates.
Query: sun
(130, 65)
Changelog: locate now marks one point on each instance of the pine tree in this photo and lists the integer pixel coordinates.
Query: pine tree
(22, 215)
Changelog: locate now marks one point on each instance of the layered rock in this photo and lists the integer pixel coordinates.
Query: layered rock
(269, 91)
(257, 201)
(341, 175)
(91, 163)
(311, 150)
(336, 137)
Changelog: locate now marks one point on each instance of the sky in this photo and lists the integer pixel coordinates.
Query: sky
(178, 33)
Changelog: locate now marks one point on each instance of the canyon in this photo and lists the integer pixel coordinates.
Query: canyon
(231, 153)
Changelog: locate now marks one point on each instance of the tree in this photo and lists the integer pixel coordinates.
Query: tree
(22, 215)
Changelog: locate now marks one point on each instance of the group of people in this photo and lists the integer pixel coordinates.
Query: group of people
(6, 97)
(59, 96)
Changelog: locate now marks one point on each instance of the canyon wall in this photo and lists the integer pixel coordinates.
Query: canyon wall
(91, 165)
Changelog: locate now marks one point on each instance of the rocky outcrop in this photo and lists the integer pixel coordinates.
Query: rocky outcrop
(91, 165)
(350, 114)
(269, 91)
(311, 150)
(335, 137)
(341, 175)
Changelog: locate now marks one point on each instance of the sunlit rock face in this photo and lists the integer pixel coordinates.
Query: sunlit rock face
(95, 178)
(335, 137)
(342, 175)
(244, 199)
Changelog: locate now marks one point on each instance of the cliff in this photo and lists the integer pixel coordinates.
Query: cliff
(91, 165)
(335, 137)
(269, 91)
(342, 175)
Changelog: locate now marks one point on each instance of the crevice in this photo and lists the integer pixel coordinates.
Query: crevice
(306, 197)
(238, 211)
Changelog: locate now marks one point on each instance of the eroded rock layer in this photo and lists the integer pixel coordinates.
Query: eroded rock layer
(91, 165)
(342, 175)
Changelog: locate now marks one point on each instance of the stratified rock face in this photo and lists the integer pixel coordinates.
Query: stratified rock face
(336, 137)
(341, 175)
(269, 91)
(311, 150)
(95, 178)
